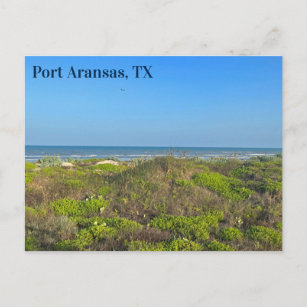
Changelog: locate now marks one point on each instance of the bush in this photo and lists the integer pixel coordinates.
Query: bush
(34, 212)
(192, 228)
(121, 224)
(71, 207)
(230, 188)
(218, 246)
(50, 161)
(184, 183)
(97, 229)
(271, 186)
(173, 245)
(265, 235)
(278, 225)
(231, 234)
(29, 166)
(183, 245)
(74, 183)
(108, 167)
(29, 177)
(30, 243)
(104, 190)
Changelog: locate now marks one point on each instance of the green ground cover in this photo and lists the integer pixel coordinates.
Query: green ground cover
(159, 204)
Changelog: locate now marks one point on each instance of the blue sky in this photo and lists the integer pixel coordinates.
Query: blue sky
(190, 101)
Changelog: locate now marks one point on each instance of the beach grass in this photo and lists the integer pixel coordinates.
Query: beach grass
(157, 204)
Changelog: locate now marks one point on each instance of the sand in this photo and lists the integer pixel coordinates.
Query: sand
(107, 162)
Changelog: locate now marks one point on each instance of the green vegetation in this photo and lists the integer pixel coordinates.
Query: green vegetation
(158, 204)
(218, 246)
(108, 167)
(173, 245)
(193, 228)
(231, 234)
(230, 188)
(50, 161)
(265, 235)
(29, 166)
(71, 207)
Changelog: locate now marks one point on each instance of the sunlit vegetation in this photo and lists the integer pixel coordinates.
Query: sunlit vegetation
(158, 204)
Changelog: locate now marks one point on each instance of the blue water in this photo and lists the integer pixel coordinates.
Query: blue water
(33, 153)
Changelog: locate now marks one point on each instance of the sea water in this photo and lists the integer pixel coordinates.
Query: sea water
(34, 153)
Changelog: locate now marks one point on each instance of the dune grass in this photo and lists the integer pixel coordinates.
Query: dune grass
(159, 204)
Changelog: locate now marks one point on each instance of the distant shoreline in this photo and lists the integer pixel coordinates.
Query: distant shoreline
(127, 153)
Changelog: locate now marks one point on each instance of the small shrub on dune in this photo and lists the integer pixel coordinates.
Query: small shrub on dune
(29, 166)
(219, 246)
(34, 212)
(192, 228)
(144, 246)
(183, 245)
(231, 234)
(230, 188)
(72, 207)
(100, 229)
(278, 225)
(265, 235)
(173, 245)
(104, 190)
(120, 224)
(184, 183)
(74, 183)
(30, 243)
(50, 161)
(271, 186)
(29, 178)
(48, 229)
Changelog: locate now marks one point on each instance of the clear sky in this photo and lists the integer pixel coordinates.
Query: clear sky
(190, 101)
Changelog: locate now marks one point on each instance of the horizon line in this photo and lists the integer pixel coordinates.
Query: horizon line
(157, 146)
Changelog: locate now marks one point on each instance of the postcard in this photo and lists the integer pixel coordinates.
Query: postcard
(153, 153)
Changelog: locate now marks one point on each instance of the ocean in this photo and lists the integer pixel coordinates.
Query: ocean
(125, 153)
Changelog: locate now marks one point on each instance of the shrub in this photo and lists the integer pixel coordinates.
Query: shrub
(30, 243)
(230, 188)
(108, 167)
(144, 246)
(265, 235)
(104, 190)
(35, 212)
(184, 183)
(29, 166)
(71, 207)
(218, 246)
(231, 234)
(74, 183)
(183, 245)
(271, 186)
(100, 229)
(173, 245)
(29, 177)
(278, 225)
(193, 228)
(65, 245)
(50, 161)
(121, 224)
(240, 172)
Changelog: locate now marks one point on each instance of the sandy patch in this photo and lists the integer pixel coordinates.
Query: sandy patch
(68, 164)
(107, 162)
